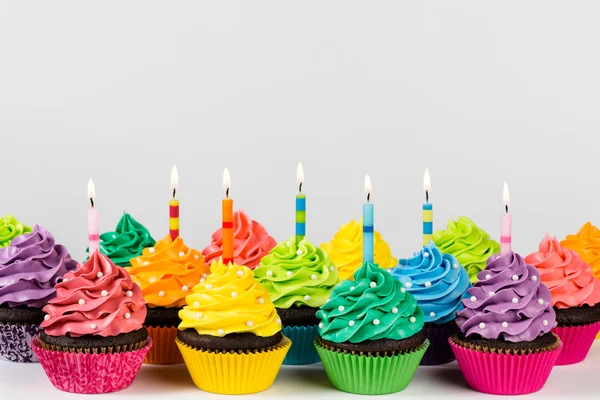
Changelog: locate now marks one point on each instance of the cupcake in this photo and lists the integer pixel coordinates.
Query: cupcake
(29, 269)
(166, 273)
(587, 244)
(345, 250)
(230, 333)
(92, 339)
(251, 242)
(298, 278)
(371, 337)
(126, 242)
(439, 284)
(471, 245)
(10, 228)
(575, 297)
(505, 345)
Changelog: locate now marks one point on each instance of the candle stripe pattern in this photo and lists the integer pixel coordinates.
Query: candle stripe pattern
(174, 219)
(368, 233)
(227, 223)
(300, 217)
(427, 223)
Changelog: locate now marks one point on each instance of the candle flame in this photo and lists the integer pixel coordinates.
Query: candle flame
(300, 175)
(368, 186)
(226, 180)
(506, 195)
(174, 178)
(91, 190)
(427, 181)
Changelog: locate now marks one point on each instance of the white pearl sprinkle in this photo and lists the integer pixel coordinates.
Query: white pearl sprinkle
(515, 300)
(352, 288)
(249, 324)
(515, 277)
(240, 273)
(261, 300)
(321, 325)
(306, 298)
(488, 276)
(289, 243)
(408, 285)
(81, 301)
(412, 319)
(220, 332)
(540, 301)
(204, 275)
(394, 310)
(93, 326)
(114, 236)
(233, 294)
(46, 317)
(373, 284)
(455, 266)
(432, 314)
(427, 284)
(289, 273)
(196, 256)
(299, 252)
(202, 280)
(199, 315)
(534, 278)
(545, 323)
(146, 262)
(269, 273)
(492, 294)
(375, 321)
(314, 277)
(332, 268)
(473, 299)
(65, 279)
(151, 250)
(425, 255)
(208, 286)
(104, 293)
(184, 288)
(505, 324)
(99, 274)
(341, 308)
(129, 293)
(278, 320)
(152, 280)
(161, 294)
(196, 304)
(402, 290)
(481, 325)
(181, 254)
(127, 315)
(351, 323)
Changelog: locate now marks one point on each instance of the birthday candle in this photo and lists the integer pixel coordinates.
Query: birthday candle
(506, 233)
(368, 211)
(174, 205)
(93, 232)
(300, 205)
(227, 213)
(427, 210)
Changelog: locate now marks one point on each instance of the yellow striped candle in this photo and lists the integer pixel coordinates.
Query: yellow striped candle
(174, 205)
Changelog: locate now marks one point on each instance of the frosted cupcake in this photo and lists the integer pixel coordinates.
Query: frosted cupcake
(471, 245)
(575, 297)
(587, 244)
(251, 242)
(298, 278)
(166, 273)
(10, 228)
(505, 345)
(345, 250)
(371, 337)
(29, 269)
(439, 283)
(230, 333)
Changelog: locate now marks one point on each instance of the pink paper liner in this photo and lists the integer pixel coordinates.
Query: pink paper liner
(90, 373)
(505, 374)
(577, 342)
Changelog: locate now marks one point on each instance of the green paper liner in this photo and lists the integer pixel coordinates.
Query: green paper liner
(369, 373)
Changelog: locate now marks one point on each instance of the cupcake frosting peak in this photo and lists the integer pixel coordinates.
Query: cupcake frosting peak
(251, 242)
(509, 302)
(10, 228)
(568, 277)
(98, 298)
(374, 306)
(228, 301)
(587, 244)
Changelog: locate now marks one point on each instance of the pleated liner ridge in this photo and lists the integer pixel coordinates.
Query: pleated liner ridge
(303, 350)
(165, 350)
(577, 342)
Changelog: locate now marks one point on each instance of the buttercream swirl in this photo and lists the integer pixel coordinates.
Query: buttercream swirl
(167, 271)
(10, 228)
(345, 250)
(374, 306)
(230, 300)
(509, 301)
(30, 267)
(569, 279)
(436, 280)
(471, 245)
(127, 241)
(251, 242)
(587, 244)
(297, 274)
(98, 298)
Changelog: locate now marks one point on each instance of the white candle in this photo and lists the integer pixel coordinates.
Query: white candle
(506, 233)
(93, 233)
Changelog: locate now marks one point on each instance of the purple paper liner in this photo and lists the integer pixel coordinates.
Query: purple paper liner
(439, 351)
(15, 342)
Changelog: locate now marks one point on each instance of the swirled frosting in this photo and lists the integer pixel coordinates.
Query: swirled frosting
(127, 241)
(467, 242)
(345, 250)
(167, 271)
(251, 242)
(373, 306)
(568, 277)
(587, 244)
(297, 274)
(509, 302)
(98, 298)
(230, 300)
(436, 280)
(10, 228)
(30, 267)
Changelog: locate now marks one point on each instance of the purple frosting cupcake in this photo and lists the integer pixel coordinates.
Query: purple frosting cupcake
(29, 269)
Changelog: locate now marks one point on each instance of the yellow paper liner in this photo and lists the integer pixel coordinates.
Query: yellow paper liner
(493, 350)
(234, 372)
(97, 350)
(164, 351)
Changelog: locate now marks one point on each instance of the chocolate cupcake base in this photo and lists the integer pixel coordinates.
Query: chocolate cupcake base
(95, 344)
(546, 342)
(376, 347)
(18, 327)
(231, 342)
(162, 316)
(298, 316)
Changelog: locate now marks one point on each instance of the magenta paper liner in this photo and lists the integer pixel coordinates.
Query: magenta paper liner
(577, 342)
(505, 374)
(91, 373)
(439, 351)
(15, 342)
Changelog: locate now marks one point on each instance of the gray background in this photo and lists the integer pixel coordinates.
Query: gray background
(479, 92)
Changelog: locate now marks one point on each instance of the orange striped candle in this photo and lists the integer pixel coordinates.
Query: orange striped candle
(174, 205)
(227, 206)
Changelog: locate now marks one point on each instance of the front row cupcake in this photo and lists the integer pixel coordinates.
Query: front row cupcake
(371, 334)
(230, 333)
(93, 340)
(505, 345)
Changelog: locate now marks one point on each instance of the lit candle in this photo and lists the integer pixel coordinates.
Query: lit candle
(427, 210)
(506, 234)
(368, 238)
(93, 233)
(174, 205)
(227, 205)
(300, 205)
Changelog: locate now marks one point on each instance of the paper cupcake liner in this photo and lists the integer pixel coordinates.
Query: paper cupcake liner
(370, 374)
(15, 342)
(96, 350)
(577, 342)
(164, 351)
(439, 351)
(90, 373)
(505, 374)
(234, 372)
(303, 350)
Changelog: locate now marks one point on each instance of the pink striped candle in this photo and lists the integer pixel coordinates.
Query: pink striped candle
(506, 232)
(93, 232)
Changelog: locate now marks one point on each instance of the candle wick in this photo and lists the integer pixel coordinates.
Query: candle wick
(300, 187)
(506, 208)
(174, 190)
(369, 197)
(92, 202)
(227, 193)
(427, 196)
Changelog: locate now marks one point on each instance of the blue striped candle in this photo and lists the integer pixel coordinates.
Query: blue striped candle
(300, 217)
(427, 223)
(368, 237)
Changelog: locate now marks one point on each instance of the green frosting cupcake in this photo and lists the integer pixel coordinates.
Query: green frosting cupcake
(471, 245)
(126, 242)
(297, 274)
(374, 306)
(10, 228)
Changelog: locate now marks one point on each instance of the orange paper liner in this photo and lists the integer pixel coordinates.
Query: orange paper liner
(165, 350)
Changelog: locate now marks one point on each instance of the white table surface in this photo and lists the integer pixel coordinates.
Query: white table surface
(28, 381)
